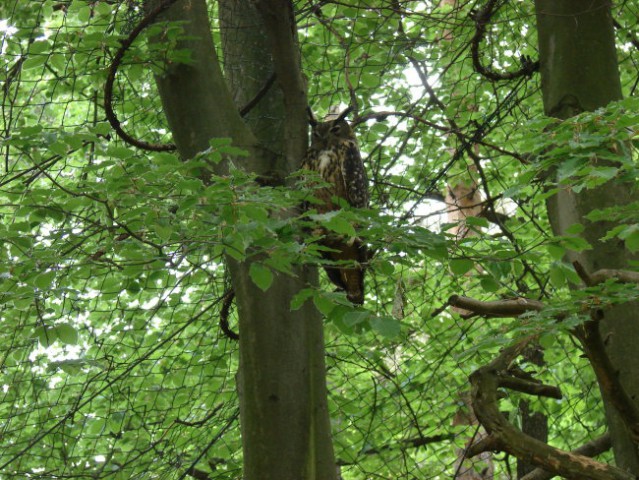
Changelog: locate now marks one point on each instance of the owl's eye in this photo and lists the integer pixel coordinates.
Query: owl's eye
(335, 129)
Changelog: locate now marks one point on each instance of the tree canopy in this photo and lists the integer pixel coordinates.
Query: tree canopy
(118, 355)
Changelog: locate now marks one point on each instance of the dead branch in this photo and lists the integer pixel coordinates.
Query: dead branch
(600, 276)
(485, 382)
(499, 308)
(489, 443)
(591, 449)
(531, 387)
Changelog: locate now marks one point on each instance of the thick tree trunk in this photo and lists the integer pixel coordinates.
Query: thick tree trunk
(284, 413)
(579, 73)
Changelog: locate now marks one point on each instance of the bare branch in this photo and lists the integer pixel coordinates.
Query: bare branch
(591, 449)
(489, 443)
(499, 308)
(600, 276)
(113, 69)
(531, 387)
(482, 18)
(485, 383)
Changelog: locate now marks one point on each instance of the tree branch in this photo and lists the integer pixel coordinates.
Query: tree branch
(113, 69)
(591, 449)
(210, 111)
(531, 387)
(485, 382)
(481, 18)
(499, 308)
(600, 276)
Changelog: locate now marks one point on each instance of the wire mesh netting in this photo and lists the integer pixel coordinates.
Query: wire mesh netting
(113, 277)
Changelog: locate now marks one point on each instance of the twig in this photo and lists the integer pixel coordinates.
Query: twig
(113, 69)
(227, 301)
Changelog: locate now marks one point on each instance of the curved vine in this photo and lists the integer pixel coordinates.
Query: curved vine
(482, 18)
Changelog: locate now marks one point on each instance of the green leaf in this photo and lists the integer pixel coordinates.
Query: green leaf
(34, 62)
(489, 284)
(547, 340)
(116, 422)
(44, 280)
(324, 304)
(301, 297)
(477, 222)
(340, 225)
(386, 326)
(385, 267)
(261, 276)
(557, 252)
(460, 266)
(557, 275)
(45, 336)
(66, 333)
(119, 152)
(632, 241)
(355, 318)
(163, 231)
(575, 229)
(577, 244)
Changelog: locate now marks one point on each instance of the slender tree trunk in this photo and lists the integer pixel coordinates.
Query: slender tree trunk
(284, 414)
(579, 73)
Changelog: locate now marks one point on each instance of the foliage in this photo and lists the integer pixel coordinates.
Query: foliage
(112, 273)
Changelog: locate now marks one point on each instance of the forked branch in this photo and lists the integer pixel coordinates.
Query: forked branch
(501, 373)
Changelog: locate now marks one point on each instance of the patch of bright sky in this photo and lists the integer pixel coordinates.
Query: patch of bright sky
(429, 213)
(6, 31)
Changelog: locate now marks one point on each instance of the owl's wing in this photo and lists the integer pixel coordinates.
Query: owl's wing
(355, 178)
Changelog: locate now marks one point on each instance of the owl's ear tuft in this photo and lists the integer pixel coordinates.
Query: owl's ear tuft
(311, 118)
(343, 115)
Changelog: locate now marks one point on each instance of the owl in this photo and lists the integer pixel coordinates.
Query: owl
(334, 154)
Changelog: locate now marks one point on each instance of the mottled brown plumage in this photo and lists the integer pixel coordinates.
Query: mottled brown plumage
(334, 154)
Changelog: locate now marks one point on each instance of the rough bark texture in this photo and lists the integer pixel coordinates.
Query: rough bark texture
(248, 68)
(284, 417)
(579, 73)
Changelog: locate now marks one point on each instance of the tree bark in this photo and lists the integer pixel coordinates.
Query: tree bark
(579, 73)
(282, 382)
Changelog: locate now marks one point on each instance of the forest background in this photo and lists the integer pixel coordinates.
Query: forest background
(149, 157)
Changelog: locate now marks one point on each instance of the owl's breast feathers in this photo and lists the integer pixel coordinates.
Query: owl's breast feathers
(340, 166)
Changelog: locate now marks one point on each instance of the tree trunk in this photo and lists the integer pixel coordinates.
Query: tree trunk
(579, 73)
(283, 406)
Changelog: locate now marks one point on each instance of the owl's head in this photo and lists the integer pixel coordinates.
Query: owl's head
(326, 134)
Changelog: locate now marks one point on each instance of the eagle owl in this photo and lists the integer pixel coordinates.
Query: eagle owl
(334, 154)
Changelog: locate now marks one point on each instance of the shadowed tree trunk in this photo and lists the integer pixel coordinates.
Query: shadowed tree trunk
(579, 73)
(284, 417)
